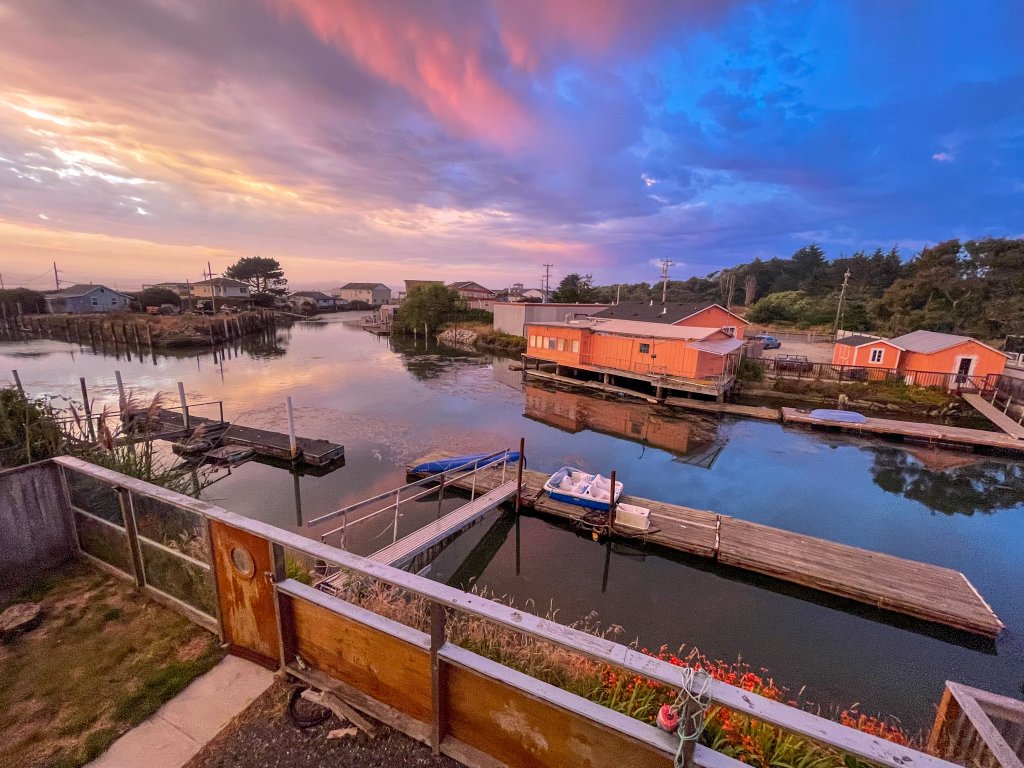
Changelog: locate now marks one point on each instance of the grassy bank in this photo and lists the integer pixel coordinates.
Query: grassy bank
(104, 659)
(501, 342)
(750, 741)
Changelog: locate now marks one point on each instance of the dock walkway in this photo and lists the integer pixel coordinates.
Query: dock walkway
(932, 433)
(993, 414)
(927, 592)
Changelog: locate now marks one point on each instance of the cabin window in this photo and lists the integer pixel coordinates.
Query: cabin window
(561, 345)
(645, 349)
(575, 345)
(95, 301)
(533, 340)
(114, 302)
(876, 355)
(552, 341)
(730, 329)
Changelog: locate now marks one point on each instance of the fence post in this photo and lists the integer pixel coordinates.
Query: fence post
(438, 620)
(279, 572)
(128, 514)
(440, 497)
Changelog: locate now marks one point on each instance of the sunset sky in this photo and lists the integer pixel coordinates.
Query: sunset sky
(464, 139)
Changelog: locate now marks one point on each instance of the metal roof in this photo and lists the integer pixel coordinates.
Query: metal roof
(654, 313)
(860, 341)
(717, 346)
(636, 328)
(361, 286)
(222, 281)
(927, 342)
(81, 289)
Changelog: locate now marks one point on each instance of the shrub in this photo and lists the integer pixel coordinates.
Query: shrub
(29, 430)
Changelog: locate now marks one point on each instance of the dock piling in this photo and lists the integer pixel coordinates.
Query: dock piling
(87, 406)
(292, 446)
(122, 400)
(184, 405)
(611, 504)
(17, 382)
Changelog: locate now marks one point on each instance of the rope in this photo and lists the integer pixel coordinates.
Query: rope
(689, 710)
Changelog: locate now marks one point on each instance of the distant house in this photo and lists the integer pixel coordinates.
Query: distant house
(513, 318)
(927, 357)
(80, 299)
(703, 314)
(471, 291)
(530, 294)
(373, 294)
(220, 288)
(312, 300)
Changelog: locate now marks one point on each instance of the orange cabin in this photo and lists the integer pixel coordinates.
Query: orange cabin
(648, 349)
(924, 351)
(716, 316)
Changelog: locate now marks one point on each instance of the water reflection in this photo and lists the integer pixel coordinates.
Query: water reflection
(691, 438)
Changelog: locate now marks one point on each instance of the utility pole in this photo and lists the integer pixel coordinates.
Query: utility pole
(56, 279)
(213, 288)
(665, 264)
(547, 281)
(839, 309)
(2, 282)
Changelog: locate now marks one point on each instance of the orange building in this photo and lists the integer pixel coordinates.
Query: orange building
(672, 356)
(928, 358)
(691, 314)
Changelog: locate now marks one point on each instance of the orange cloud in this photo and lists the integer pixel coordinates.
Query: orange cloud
(424, 57)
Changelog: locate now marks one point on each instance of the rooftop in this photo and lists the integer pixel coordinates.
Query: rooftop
(80, 289)
(927, 342)
(636, 328)
(654, 313)
(223, 281)
(859, 341)
(361, 286)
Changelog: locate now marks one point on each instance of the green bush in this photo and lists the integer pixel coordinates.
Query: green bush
(28, 429)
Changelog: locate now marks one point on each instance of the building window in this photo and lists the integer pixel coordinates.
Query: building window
(552, 342)
(575, 345)
(876, 355)
(114, 302)
(730, 329)
(95, 301)
(561, 345)
(533, 340)
(645, 349)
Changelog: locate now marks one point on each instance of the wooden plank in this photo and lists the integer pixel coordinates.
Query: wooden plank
(922, 590)
(939, 433)
(248, 610)
(514, 718)
(369, 658)
(993, 414)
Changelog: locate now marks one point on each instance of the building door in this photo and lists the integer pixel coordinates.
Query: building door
(963, 371)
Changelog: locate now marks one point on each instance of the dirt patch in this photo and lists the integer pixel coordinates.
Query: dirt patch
(104, 658)
(263, 736)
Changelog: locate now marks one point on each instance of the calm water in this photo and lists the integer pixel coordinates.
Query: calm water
(389, 402)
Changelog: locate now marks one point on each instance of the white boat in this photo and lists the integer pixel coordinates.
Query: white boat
(574, 486)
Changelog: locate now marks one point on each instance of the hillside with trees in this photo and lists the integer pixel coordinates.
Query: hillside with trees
(974, 287)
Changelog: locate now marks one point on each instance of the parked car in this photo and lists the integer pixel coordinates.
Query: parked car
(798, 363)
(768, 342)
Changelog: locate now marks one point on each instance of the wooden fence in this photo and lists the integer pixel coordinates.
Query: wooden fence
(229, 573)
(979, 729)
(805, 370)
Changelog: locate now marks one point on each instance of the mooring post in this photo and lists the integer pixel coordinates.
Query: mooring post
(184, 405)
(438, 682)
(519, 472)
(292, 445)
(88, 407)
(611, 505)
(440, 497)
(122, 400)
(17, 382)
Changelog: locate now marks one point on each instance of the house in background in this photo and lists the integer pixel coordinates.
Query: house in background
(670, 357)
(469, 290)
(373, 294)
(702, 314)
(220, 288)
(312, 300)
(513, 317)
(412, 285)
(928, 358)
(184, 290)
(80, 299)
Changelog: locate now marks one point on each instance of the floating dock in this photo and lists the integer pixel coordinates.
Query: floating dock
(263, 442)
(921, 590)
(1013, 428)
(930, 433)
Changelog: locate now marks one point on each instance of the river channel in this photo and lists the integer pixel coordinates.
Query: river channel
(392, 400)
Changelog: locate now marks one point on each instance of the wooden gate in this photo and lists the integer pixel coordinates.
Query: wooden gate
(245, 592)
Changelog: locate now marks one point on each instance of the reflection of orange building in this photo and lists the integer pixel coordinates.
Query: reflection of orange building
(671, 356)
(573, 413)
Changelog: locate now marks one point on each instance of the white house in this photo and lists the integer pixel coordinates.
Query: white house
(221, 288)
(373, 294)
(312, 299)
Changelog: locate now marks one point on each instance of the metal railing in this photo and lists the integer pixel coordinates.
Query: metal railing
(807, 370)
(469, 469)
(443, 601)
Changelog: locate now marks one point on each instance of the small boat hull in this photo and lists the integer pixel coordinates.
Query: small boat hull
(447, 465)
(847, 417)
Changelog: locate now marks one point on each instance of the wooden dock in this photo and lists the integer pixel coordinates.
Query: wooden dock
(929, 433)
(263, 442)
(921, 590)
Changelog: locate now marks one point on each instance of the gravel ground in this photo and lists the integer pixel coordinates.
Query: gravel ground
(816, 352)
(263, 736)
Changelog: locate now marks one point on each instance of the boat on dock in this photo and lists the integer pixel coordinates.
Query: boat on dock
(469, 461)
(574, 486)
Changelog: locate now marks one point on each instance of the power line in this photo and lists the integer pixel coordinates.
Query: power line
(665, 264)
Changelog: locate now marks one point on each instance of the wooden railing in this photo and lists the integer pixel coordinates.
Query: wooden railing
(807, 370)
(978, 729)
(465, 705)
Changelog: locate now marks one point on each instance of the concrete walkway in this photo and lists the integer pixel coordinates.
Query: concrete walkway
(182, 726)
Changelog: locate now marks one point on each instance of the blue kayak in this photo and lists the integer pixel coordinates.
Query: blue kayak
(446, 465)
(848, 417)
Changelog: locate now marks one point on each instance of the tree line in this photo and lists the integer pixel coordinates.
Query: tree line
(972, 287)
